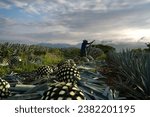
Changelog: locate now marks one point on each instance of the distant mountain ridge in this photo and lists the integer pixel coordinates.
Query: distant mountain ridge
(118, 46)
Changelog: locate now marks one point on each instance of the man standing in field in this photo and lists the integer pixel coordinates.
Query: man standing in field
(84, 47)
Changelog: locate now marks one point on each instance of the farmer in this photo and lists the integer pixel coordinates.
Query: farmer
(84, 46)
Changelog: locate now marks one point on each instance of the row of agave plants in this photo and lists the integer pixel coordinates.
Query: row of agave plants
(8, 49)
(131, 75)
(24, 56)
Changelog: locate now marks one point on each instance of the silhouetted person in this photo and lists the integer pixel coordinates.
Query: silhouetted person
(84, 46)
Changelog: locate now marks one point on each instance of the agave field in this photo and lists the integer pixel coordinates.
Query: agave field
(35, 73)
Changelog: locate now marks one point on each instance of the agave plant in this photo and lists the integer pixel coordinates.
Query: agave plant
(4, 89)
(14, 61)
(132, 73)
(44, 70)
(63, 91)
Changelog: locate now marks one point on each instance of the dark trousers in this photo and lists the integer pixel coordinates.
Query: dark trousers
(83, 52)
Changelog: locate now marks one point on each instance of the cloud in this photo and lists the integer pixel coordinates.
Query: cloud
(43, 6)
(20, 4)
(72, 20)
(4, 5)
(31, 9)
(6, 22)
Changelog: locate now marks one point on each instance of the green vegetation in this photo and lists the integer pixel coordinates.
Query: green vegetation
(127, 72)
(100, 51)
(4, 70)
(31, 57)
(51, 58)
(104, 48)
(103, 56)
(71, 52)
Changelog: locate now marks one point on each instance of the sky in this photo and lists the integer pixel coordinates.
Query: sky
(71, 21)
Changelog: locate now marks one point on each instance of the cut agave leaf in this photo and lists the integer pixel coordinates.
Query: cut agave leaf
(31, 96)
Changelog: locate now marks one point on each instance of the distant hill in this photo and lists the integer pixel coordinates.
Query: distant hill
(118, 46)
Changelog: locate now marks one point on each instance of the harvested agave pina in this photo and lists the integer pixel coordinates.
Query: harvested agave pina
(44, 70)
(4, 88)
(68, 73)
(63, 91)
(69, 62)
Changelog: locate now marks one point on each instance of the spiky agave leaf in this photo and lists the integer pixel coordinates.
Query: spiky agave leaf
(133, 72)
(93, 86)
